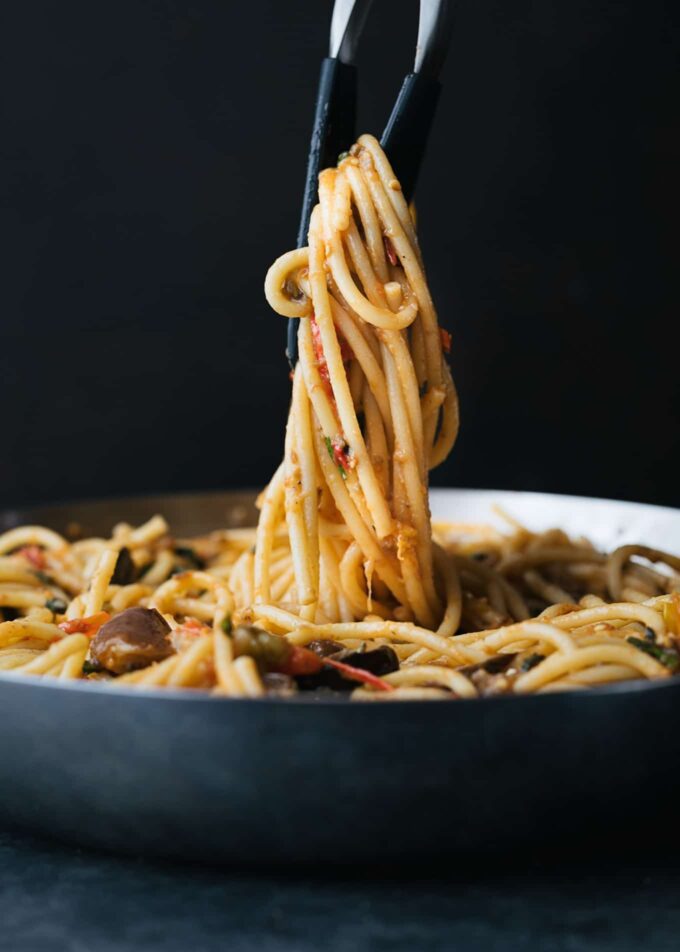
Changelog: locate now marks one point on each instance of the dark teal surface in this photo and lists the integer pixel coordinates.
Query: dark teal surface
(54, 899)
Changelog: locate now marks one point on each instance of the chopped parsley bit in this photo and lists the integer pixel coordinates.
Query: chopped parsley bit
(226, 625)
(531, 661)
(89, 667)
(56, 605)
(331, 452)
(342, 157)
(668, 657)
(185, 552)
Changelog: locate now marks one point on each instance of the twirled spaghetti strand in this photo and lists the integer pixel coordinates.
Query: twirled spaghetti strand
(372, 397)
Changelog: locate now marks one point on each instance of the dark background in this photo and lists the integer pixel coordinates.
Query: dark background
(152, 160)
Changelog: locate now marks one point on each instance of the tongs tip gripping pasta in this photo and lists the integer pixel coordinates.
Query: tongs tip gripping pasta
(405, 135)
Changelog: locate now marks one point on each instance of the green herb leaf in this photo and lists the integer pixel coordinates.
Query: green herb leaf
(56, 605)
(226, 625)
(531, 661)
(668, 657)
(331, 452)
(90, 668)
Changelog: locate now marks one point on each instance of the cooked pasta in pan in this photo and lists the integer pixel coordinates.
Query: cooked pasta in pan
(345, 586)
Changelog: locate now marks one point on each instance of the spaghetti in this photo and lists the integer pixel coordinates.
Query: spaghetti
(345, 585)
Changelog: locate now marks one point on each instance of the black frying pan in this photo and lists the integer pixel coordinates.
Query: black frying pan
(295, 781)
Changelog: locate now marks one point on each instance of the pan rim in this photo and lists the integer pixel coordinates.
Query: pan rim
(188, 695)
(104, 689)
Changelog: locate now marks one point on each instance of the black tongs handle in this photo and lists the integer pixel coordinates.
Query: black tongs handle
(333, 130)
(408, 127)
(407, 130)
(332, 133)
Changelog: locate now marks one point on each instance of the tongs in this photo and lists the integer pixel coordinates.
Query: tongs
(408, 126)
